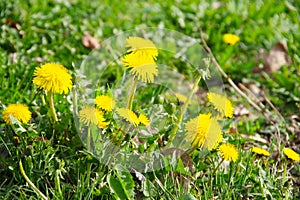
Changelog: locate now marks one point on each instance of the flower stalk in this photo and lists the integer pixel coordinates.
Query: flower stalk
(132, 92)
(31, 184)
(183, 110)
(52, 108)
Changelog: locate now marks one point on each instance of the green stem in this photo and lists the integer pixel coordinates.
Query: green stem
(57, 182)
(52, 109)
(31, 183)
(218, 166)
(189, 152)
(88, 145)
(131, 93)
(215, 170)
(183, 110)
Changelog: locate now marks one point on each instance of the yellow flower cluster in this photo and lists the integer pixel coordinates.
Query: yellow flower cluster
(228, 152)
(89, 115)
(203, 131)
(221, 104)
(131, 117)
(231, 39)
(181, 98)
(105, 102)
(139, 45)
(53, 78)
(141, 58)
(260, 151)
(18, 111)
(291, 154)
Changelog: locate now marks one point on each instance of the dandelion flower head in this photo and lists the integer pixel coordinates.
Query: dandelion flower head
(89, 115)
(141, 46)
(221, 104)
(291, 154)
(260, 151)
(181, 98)
(228, 152)
(19, 111)
(231, 39)
(144, 120)
(105, 102)
(128, 115)
(142, 66)
(203, 131)
(53, 78)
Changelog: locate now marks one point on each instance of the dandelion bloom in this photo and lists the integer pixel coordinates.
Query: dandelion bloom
(181, 98)
(128, 115)
(144, 120)
(231, 39)
(260, 151)
(105, 102)
(228, 152)
(291, 154)
(141, 46)
(142, 66)
(221, 104)
(53, 78)
(203, 131)
(19, 111)
(89, 115)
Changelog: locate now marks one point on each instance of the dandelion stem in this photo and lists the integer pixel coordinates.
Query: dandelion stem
(52, 109)
(131, 93)
(31, 183)
(88, 145)
(218, 166)
(183, 110)
(189, 152)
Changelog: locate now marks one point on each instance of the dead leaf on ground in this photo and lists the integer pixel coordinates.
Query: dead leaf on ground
(241, 110)
(255, 138)
(275, 59)
(13, 24)
(90, 42)
(185, 158)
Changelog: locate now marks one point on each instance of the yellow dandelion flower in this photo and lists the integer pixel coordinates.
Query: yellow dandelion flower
(19, 111)
(89, 115)
(228, 152)
(221, 103)
(53, 78)
(291, 154)
(260, 151)
(218, 141)
(203, 131)
(128, 115)
(181, 98)
(105, 102)
(144, 120)
(142, 66)
(231, 39)
(141, 46)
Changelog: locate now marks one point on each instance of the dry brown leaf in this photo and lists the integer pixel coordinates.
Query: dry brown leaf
(241, 110)
(13, 24)
(185, 158)
(256, 138)
(275, 59)
(90, 42)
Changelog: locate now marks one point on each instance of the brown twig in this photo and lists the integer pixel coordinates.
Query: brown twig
(235, 87)
(255, 103)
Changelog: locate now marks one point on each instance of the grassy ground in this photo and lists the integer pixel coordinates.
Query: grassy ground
(55, 160)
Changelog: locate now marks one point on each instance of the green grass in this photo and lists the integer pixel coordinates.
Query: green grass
(51, 31)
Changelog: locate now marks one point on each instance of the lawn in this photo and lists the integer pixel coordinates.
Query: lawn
(149, 100)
